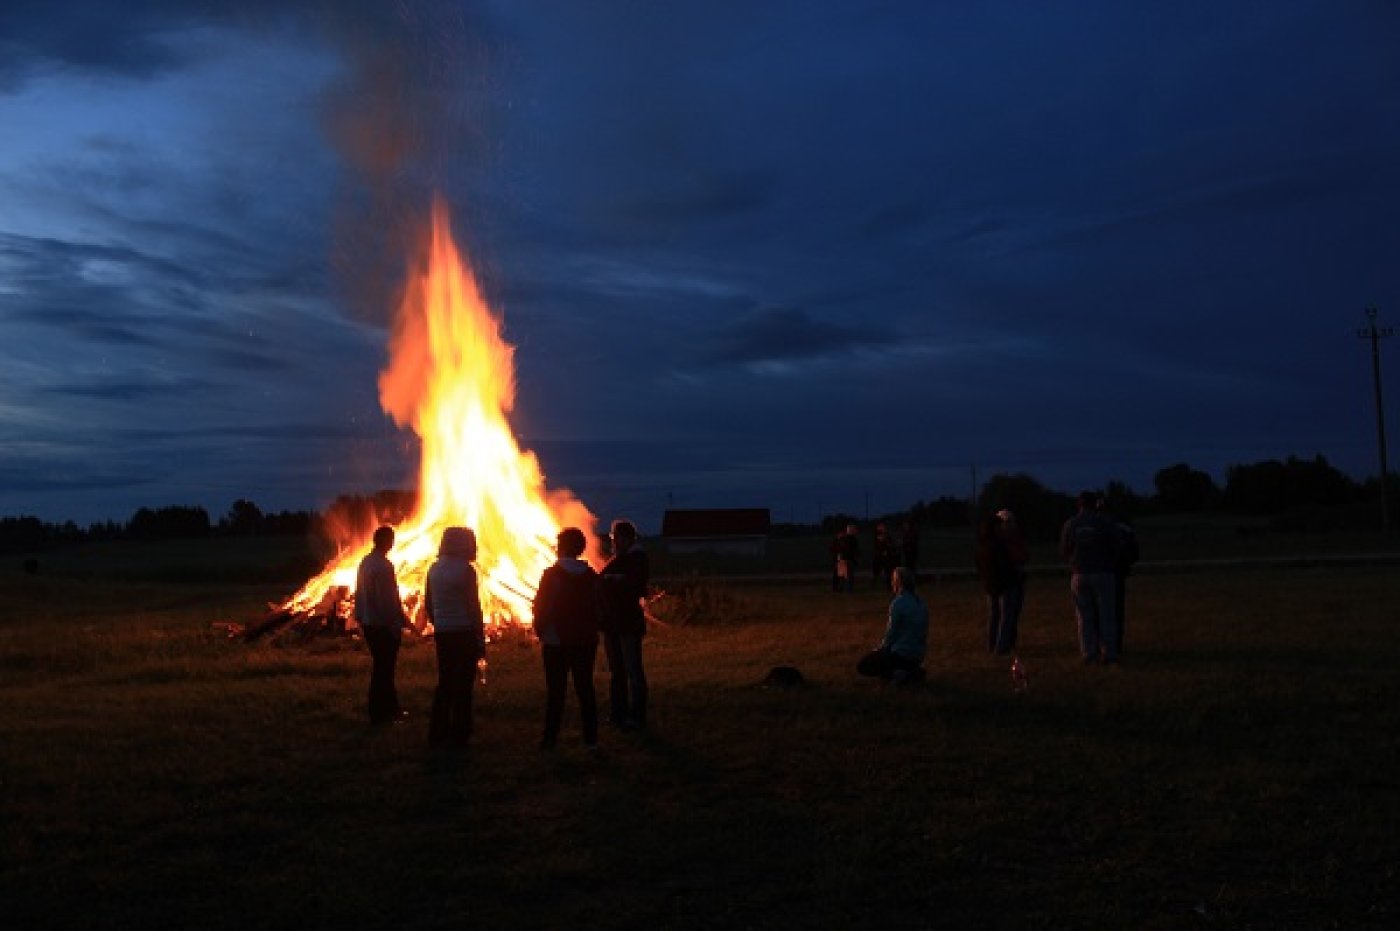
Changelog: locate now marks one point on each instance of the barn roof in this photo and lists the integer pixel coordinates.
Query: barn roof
(716, 522)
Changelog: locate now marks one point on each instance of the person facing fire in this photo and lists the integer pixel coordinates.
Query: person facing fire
(453, 605)
(382, 619)
(567, 612)
(899, 657)
(625, 580)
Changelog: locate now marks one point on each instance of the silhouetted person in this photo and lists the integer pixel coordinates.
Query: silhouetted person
(1122, 568)
(848, 557)
(999, 576)
(453, 605)
(625, 579)
(1089, 542)
(900, 655)
(909, 547)
(380, 614)
(884, 557)
(567, 611)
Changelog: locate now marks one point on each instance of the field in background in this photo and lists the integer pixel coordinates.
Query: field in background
(1236, 771)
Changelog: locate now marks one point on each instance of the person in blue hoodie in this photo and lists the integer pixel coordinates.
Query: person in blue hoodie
(567, 612)
(453, 605)
(899, 657)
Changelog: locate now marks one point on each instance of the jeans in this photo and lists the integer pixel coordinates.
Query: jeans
(627, 690)
(1094, 595)
(559, 662)
(1003, 616)
(457, 653)
(383, 643)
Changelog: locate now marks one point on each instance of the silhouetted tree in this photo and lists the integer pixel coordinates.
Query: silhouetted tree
(168, 523)
(1039, 511)
(1182, 489)
(1273, 487)
(243, 518)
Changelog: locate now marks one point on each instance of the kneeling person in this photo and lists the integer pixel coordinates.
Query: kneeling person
(900, 655)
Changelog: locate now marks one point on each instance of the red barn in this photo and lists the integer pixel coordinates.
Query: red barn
(725, 531)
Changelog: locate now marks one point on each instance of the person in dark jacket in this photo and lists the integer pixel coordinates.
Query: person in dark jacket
(1090, 544)
(382, 619)
(567, 612)
(999, 576)
(625, 580)
(1123, 567)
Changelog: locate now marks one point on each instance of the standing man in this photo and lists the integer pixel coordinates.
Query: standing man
(625, 580)
(1089, 543)
(1122, 567)
(380, 614)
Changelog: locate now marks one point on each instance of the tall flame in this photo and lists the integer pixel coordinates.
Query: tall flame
(451, 379)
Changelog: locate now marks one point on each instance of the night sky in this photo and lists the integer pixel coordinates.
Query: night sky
(813, 256)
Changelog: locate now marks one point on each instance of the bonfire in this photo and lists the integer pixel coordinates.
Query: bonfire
(451, 380)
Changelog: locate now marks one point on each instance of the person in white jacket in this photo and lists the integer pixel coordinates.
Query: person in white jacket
(453, 605)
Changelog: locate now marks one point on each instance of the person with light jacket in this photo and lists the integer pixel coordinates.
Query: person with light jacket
(899, 657)
(453, 605)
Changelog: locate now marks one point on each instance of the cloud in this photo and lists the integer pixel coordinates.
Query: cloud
(788, 335)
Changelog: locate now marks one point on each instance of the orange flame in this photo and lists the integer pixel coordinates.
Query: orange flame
(451, 379)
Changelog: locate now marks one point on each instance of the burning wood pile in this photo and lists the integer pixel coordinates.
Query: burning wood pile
(450, 379)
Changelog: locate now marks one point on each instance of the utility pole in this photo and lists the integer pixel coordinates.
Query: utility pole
(1375, 334)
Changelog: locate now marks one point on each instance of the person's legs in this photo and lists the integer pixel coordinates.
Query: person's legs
(1086, 615)
(1106, 589)
(618, 712)
(905, 671)
(631, 648)
(1011, 613)
(875, 664)
(581, 660)
(452, 701)
(383, 644)
(1120, 607)
(995, 614)
(556, 671)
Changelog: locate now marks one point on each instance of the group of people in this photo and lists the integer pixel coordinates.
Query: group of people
(887, 555)
(1099, 548)
(574, 607)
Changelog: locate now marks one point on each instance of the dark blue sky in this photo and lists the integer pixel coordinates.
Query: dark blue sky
(802, 255)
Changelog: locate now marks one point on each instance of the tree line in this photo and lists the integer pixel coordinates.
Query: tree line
(1294, 494)
(346, 515)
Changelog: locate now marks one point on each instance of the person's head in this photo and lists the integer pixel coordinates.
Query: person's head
(458, 542)
(851, 530)
(624, 534)
(1006, 517)
(571, 543)
(903, 579)
(384, 538)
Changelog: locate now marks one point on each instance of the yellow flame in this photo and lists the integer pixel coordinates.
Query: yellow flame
(451, 379)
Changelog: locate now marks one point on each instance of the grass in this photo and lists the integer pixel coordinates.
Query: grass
(1237, 771)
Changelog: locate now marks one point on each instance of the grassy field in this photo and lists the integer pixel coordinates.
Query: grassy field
(1238, 770)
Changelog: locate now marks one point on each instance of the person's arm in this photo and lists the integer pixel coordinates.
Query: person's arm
(474, 609)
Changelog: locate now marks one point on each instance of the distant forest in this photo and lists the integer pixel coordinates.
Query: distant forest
(1292, 494)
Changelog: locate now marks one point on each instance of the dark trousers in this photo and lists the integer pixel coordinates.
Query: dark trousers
(627, 688)
(383, 643)
(559, 662)
(1120, 605)
(883, 664)
(457, 653)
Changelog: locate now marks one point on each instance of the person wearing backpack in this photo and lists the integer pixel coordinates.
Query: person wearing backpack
(567, 612)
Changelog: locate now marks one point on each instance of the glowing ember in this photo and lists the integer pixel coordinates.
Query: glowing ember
(451, 379)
